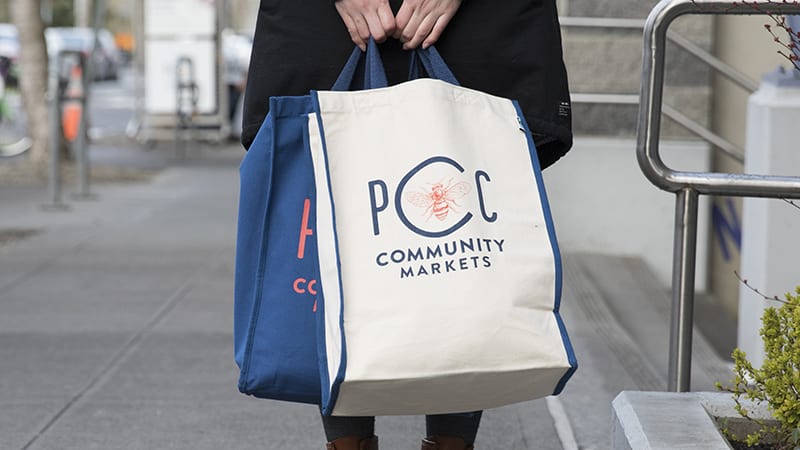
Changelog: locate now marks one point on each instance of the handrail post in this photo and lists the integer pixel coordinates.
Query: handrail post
(689, 185)
(683, 271)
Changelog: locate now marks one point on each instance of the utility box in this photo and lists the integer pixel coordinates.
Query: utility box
(168, 34)
(770, 227)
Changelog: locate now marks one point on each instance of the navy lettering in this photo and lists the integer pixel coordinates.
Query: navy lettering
(434, 252)
(415, 255)
(376, 208)
(381, 259)
(487, 217)
(398, 256)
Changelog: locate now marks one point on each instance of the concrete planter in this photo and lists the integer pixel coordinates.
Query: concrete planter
(663, 420)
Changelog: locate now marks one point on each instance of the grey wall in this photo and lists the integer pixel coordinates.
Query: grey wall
(604, 61)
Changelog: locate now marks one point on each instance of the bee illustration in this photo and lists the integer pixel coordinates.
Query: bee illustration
(439, 199)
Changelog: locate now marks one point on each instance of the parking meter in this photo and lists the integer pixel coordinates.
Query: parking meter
(72, 90)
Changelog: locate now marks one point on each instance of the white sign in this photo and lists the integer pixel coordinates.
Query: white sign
(161, 60)
(179, 17)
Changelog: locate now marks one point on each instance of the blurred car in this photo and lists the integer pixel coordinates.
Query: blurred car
(107, 59)
(9, 52)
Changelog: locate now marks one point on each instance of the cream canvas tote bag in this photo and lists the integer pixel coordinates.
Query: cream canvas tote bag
(439, 265)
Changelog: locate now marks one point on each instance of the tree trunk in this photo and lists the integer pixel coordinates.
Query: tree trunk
(26, 15)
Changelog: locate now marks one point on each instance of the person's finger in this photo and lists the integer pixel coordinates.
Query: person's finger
(422, 31)
(387, 19)
(402, 19)
(362, 28)
(350, 24)
(436, 32)
(375, 27)
(410, 30)
(355, 35)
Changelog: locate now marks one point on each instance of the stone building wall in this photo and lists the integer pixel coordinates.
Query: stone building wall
(609, 61)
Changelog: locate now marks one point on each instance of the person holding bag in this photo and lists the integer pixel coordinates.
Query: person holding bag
(513, 51)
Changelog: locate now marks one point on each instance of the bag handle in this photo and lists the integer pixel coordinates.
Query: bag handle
(432, 62)
(368, 72)
(364, 70)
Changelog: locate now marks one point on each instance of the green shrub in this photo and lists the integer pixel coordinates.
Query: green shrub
(777, 382)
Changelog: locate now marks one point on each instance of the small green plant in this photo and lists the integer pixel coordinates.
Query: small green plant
(777, 382)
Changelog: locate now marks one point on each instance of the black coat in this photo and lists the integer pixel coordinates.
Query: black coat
(509, 48)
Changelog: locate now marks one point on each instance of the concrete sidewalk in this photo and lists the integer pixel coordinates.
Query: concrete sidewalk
(115, 329)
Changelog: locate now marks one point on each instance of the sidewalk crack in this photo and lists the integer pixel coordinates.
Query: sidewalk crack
(122, 355)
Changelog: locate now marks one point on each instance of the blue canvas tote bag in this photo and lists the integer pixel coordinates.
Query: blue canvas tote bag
(276, 294)
(438, 259)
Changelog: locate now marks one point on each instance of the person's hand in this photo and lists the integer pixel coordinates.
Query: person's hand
(365, 18)
(423, 21)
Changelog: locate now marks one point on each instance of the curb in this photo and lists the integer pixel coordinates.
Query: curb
(665, 420)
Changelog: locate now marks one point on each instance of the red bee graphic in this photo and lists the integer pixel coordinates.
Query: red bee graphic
(439, 199)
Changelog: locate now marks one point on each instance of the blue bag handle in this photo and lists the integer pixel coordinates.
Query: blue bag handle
(374, 76)
(371, 75)
(432, 62)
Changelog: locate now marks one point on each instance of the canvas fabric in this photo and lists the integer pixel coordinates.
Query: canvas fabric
(439, 265)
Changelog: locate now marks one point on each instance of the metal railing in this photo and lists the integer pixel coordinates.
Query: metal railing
(730, 149)
(689, 185)
(725, 146)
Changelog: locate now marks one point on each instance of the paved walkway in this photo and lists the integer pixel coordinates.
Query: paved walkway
(115, 327)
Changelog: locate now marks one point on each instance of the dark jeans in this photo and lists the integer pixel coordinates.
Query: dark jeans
(462, 425)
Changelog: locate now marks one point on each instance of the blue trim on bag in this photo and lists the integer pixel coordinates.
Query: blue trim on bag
(537, 170)
(284, 395)
(259, 281)
(322, 354)
(329, 399)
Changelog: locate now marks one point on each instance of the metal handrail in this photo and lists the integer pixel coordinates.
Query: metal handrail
(689, 185)
(725, 146)
(728, 148)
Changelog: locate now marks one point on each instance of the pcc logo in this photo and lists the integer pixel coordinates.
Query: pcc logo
(432, 198)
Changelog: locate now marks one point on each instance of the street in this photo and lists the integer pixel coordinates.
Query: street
(111, 105)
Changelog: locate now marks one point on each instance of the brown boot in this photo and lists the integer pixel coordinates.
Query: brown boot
(445, 443)
(353, 443)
